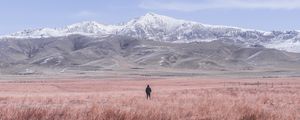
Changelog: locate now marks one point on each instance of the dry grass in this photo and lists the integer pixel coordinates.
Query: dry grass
(179, 99)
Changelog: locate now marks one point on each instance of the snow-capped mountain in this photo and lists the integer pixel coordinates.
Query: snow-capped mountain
(83, 28)
(162, 28)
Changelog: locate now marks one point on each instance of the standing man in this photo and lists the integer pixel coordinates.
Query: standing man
(148, 92)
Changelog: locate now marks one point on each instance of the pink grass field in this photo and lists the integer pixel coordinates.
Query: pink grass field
(190, 98)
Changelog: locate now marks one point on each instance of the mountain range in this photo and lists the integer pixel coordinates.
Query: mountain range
(166, 29)
(151, 41)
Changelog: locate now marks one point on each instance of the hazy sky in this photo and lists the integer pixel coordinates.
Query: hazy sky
(265, 15)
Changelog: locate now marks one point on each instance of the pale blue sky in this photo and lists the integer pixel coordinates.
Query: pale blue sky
(265, 15)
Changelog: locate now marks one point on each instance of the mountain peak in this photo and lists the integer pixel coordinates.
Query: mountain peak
(156, 17)
(153, 19)
(86, 23)
(151, 14)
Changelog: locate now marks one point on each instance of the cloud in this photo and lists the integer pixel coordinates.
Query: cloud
(85, 14)
(193, 5)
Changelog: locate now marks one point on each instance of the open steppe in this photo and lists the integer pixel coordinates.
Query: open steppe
(173, 98)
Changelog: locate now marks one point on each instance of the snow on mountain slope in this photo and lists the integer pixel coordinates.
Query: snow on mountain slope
(83, 28)
(150, 26)
(289, 41)
(167, 29)
(35, 33)
(90, 27)
(163, 28)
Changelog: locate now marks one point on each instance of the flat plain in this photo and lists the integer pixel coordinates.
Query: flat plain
(173, 98)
